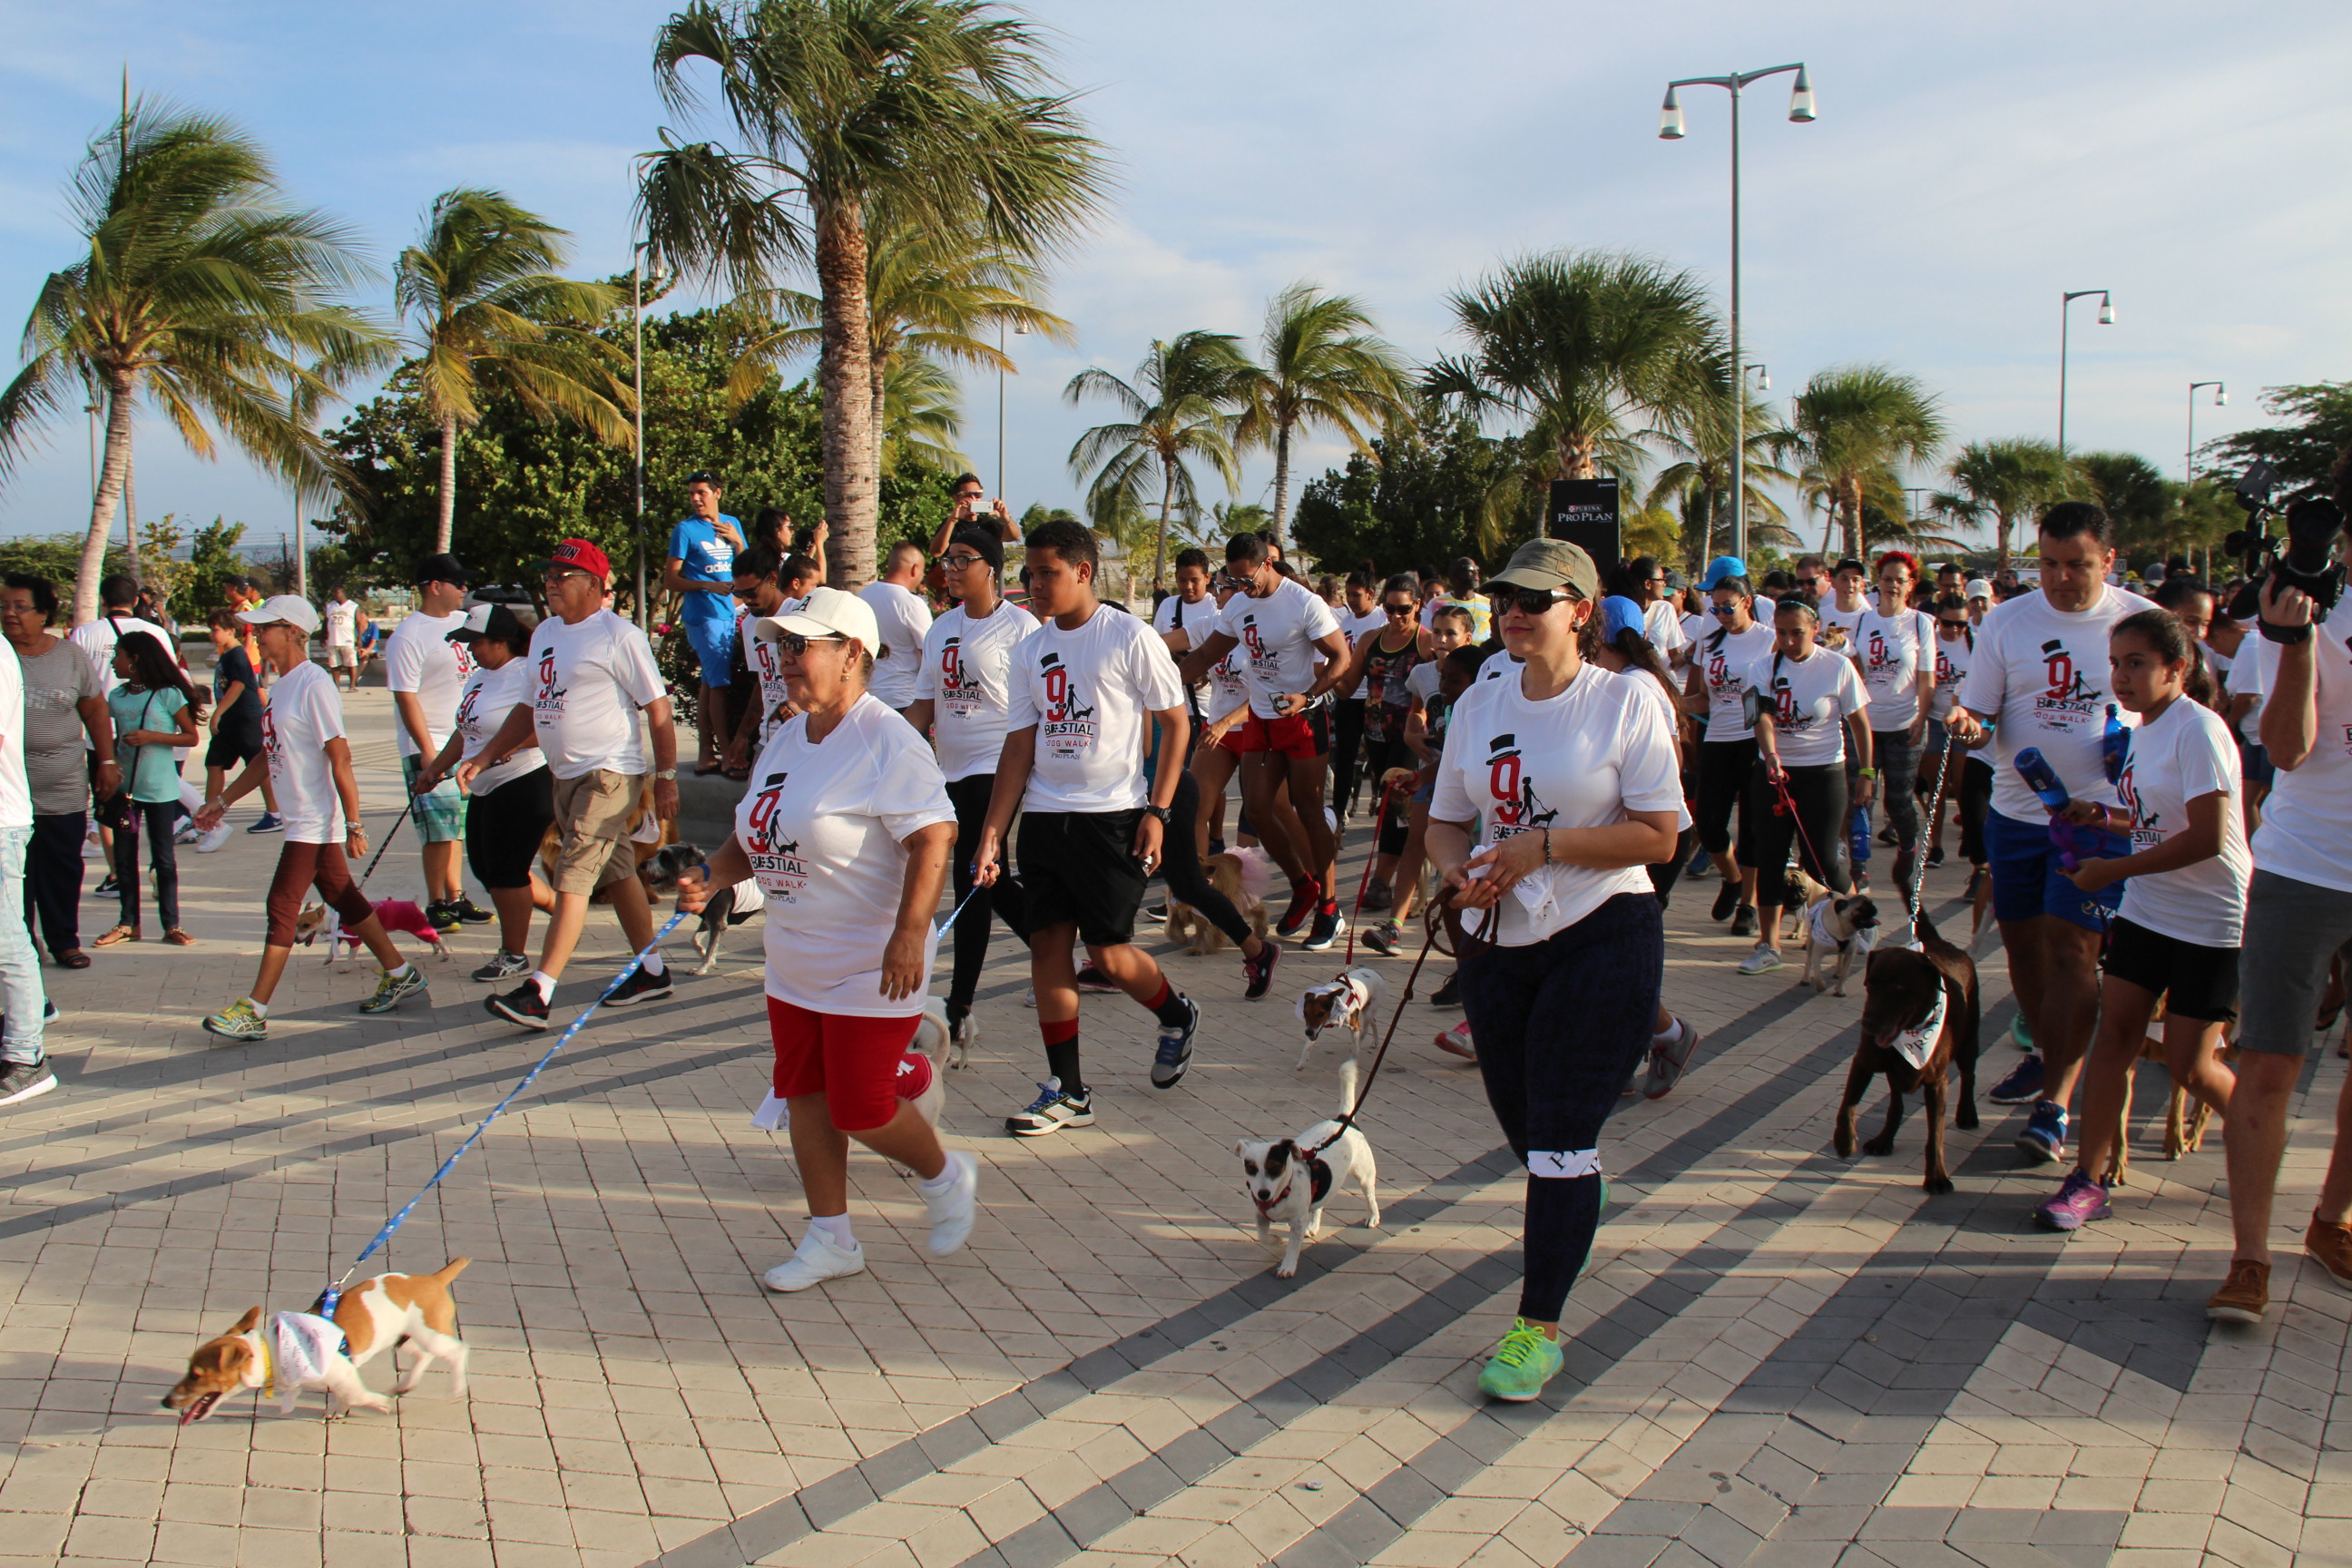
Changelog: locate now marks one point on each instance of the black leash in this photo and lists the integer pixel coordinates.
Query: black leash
(1433, 921)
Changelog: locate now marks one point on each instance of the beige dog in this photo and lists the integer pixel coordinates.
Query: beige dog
(1227, 875)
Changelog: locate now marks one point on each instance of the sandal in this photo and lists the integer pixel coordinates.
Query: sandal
(117, 935)
(73, 958)
(704, 770)
(178, 938)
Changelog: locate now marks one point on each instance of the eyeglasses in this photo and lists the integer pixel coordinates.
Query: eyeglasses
(961, 563)
(559, 574)
(1962, 622)
(1526, 601)
(796, 644)
(1396, 609)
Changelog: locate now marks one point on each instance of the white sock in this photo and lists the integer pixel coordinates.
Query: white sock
(544, 982)
(940, 1183)
(396, 973)
(652, 964)
(1672, 1031)
(260, 1009)
(836, 1230)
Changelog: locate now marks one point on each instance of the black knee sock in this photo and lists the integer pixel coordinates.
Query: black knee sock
(1062, 1054)
(1169, 1007)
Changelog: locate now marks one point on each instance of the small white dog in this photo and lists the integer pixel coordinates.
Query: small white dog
(1347, 1002)
(1290, 1179)
(1839, 932)
(295, 1351)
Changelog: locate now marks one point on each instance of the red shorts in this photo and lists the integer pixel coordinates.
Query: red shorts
(1307, 735)
(856, 1063)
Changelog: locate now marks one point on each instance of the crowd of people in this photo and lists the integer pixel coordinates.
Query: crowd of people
(2144, 788)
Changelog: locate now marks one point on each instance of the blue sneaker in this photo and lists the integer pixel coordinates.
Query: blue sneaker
(2044, 1137)
(2080, 1200)
(269, 823)
(1175, 1055)
(2022, 1084)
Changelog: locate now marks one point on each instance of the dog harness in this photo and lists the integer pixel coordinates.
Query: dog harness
(1916, 1044)
(1318, 1182)
(1563, 1163)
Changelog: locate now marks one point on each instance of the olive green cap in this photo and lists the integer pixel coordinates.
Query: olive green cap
(1542, 564)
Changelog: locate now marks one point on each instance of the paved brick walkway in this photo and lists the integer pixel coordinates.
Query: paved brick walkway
(1777, 1357)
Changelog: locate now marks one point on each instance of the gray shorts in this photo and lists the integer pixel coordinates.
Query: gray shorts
(2292, 928)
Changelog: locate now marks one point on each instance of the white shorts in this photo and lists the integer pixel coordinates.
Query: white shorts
(341, 655)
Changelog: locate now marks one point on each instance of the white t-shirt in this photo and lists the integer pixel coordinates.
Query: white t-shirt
(2247, 680)
(1652, 691)
(423, 660)
(1663, 628)
(1952, 658)
(1355, 626)
(767, 666)
(1584, 758)
(2184, 754)
(1277, 635)
(1809, 702)
(1724, 670)
(1696, 629)
(16, 789)
(906, 619)
(1891, 653)
(825, 828)
(1227, 687)
(97, 638)
(2042, 674)
(970, 666)
(2306, 831)
(1090, 694)
(303, 715)
(1196, 621)
(483, 704)
(343, 622)
(1848, 619)
(589, 682)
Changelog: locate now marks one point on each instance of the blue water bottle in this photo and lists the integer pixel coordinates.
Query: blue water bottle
(2042, 778)
(1858, 836)
(2115, 746)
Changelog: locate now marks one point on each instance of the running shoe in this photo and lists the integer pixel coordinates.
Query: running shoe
(1259, 971)
(186, 832)
(1158, 911)
(1935, 855)
(1051, 1111)
(391, 987)
(1669, 1062)
(1326, 929)
(1725, 900)
(2080, 1200)
(107, 888)
(952, 1212)
(1378, 897)
(1304, 897)
(1385, 938)
(1743, 922)
(472, 913)
(523, 1005)
(2245, 1297)
(1448, 994)
(1457, 1042)
(269, 823)
(1094, 980)
(1521, 1364)
(504, 965)
(238, 1021)
(1175, 1055)
(641, 987)
(22, 1080)
(210, 840)
(1886, 835)
(817, 1259)
(2044, 1137)
(2022, 1085)
(1763, 961)
(1701, 863)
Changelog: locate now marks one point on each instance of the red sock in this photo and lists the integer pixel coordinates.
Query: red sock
(1161, 1000)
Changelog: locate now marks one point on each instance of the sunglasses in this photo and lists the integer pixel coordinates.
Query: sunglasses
(796, 644)
(1722, 609)
(1394, 609)
(1956, 625)
(1526, 601)
(561, 572)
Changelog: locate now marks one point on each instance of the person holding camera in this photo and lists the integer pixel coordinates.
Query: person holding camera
(2299, 912)
(974, 509)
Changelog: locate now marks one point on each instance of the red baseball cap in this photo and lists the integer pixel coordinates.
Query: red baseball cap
(586, 557)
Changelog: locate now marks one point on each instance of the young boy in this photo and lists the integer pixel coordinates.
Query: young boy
(305, 753)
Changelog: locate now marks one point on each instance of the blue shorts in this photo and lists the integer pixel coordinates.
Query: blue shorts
(2028, 880)
(714, 645)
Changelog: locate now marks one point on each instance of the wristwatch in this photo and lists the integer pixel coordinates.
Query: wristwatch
(1159, 811)
(666, 773)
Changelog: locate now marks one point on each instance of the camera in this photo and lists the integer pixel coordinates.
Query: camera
(2304, 558)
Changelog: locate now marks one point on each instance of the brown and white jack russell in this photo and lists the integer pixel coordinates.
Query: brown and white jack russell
(294, 1351)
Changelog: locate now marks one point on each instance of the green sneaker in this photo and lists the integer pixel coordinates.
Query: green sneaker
(238, 1021)
(389, 988)
(1520, 1365)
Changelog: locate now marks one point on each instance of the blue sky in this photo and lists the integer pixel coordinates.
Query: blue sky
(1970, 163)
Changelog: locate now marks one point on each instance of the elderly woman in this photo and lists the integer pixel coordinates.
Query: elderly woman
(846, 826)
(1573, 771)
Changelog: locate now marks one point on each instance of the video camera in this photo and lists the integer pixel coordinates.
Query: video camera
(2304, 558)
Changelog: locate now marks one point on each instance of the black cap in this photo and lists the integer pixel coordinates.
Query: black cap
(705, 476)
(497, 622)
(982, 542)
(445, 569)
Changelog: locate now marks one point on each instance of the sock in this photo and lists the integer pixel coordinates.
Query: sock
(396, 973)
(1330, 907)
(940, 1183)
(1671, 1032)
(1169, 1007)
(260, 1009)
(1062, 1054)
(544, 983)
(836, 1230)
(654, 965)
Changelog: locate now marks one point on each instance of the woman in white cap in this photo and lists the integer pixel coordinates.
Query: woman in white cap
(846, 826)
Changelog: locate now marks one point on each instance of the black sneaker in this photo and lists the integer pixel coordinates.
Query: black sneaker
(1743, 923)
(1726, 901)
(1887, 836)
(1158, 911)
(1095, 980)
(472, 913)
(1305, 897)
(1936, 855)
(1326, 929)
(523, 1005)
(22, 1080)
(441, 915)
(107, 888)
(504, 965)
(640, 987)
(1448, 994)
(1175, 1048)
(1259, 971)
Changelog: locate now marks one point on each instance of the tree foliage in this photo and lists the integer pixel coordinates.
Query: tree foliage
(1181, 408)
(1425, 494)
(2305, 449)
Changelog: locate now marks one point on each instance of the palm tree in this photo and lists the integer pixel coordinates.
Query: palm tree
(1857, 427)
(2001, 481)
(921, 415)
(492, 318)
(2142, 506)
(196, 286)
(1582, 346)
(1178, 407)
(1699, 479)
(936, 109)
(1322, 367)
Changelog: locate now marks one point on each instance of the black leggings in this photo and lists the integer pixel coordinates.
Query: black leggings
(161, 817)
(1897, 758)
(1976, 799)
(1561, 1026)
(1347, 742)
(1818, 792)
(1180, 865)
(970, 797)
(1667, 872)
(1723, 770)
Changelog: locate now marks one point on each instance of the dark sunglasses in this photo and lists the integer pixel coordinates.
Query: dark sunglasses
(1526, 601)
(1722, 609)
(1394, 609)
(796, 644)
(1962, 622)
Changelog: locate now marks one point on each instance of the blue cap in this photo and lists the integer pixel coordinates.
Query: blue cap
(1619, 614)
(1719, 568)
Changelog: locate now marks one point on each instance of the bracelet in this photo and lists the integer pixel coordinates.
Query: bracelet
(1866, 773)
(1547, 833)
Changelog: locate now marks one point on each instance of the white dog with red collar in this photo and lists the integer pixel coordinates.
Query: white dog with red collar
(1290, 1179)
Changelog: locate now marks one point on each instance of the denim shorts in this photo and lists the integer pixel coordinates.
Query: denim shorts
(2028, 879)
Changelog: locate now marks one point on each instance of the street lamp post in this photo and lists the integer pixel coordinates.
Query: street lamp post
(1802, 111)
(2065, 319)
(2221, 400)
(638, 272)
(1002, 356)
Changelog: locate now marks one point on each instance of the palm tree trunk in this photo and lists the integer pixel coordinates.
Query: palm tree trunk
(111, 480)
(1576, 449)
(2000, 541)
(844, 377)
(446, 527)
(1167, 504)
(130, 506)
(1281, 481)
(881, 422)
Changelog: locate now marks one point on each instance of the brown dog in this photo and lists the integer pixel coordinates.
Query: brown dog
(2185, 1116)
(291, 1351)
(1901, 989)
(1187, 923)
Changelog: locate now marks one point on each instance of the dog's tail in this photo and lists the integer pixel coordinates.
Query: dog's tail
(931, 1032)
(450, 1270)
(1348, 1086)
(1927, 927)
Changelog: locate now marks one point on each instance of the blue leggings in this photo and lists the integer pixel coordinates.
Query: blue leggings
(1559, 1025)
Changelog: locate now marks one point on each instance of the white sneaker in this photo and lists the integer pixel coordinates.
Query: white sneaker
(817, 1260)
(187, 834)
(213, 839)
(953, 1210)
(1763, 961)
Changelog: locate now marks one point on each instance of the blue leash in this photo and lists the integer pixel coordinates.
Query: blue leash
(325, 1305)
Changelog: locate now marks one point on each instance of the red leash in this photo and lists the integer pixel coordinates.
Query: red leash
(1379, 825)
(1788, 809)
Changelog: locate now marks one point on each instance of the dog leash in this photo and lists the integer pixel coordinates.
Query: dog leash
(1919, 861)
(1380, 825)
(389, 835)
(1788, 809)
(1395, 1017)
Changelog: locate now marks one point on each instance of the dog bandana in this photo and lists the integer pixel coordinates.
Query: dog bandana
(297, 1351)
(1817, 925)
(1916, 1045)
(1563, 1163)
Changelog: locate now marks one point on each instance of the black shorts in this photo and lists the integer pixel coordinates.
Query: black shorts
(504, 828)
(1079, 868)
(231, 750)
(2195, 981)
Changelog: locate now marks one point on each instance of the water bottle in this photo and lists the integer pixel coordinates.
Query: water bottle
(2042, 778)
(1858, 836)
(2115, 746)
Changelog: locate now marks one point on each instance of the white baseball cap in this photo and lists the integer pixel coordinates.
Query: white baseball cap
(292, 608)
(1978, 588)
(826, 611)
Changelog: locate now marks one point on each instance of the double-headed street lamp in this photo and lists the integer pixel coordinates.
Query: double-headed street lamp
(2065, 319)
(2221, 400)
(1801, 111)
